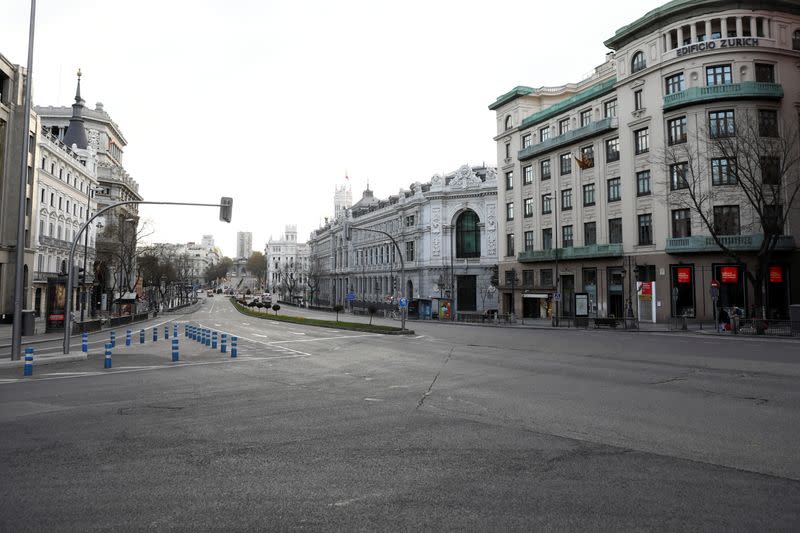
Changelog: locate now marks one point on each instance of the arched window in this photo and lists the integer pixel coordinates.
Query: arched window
(796, 40)
(508, 122)
(638, 63)
(468, 235)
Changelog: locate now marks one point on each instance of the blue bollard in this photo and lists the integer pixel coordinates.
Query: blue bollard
(175, 356)
(28, 369)
(190, 330)
(234, 348)
(85, 342)
(166, 333)
(127, 338)
(223, 343)
(141, 336)
(107, 360)
(155, 334)
(208, 337)
(113, 339)
(214, 340)
(175, 330)
(186, 330)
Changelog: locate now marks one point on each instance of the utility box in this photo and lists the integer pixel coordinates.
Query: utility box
(28, 322)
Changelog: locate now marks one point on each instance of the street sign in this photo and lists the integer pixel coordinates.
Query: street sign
(557, 296)
(351, 297)
(403, 302)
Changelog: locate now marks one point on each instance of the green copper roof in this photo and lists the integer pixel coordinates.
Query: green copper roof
(516, 92)
(678, 10)
(598, 89)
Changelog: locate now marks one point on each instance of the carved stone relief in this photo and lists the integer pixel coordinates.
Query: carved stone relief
(436, 231)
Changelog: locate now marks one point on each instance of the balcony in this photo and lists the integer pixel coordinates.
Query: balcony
(573, 101)
(738, 91)
(595, 128)
(737, 243)
(55, 243)
(593, 251)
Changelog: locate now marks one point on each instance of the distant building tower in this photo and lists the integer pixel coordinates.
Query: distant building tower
(342, 200)
(208, 241)
(244, 244)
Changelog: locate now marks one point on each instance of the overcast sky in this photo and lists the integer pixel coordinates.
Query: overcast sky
(272, 102)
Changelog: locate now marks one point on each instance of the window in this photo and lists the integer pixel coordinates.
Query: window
(527, 278)
(681, 223)
(588, 194)
(610, 108)
(587, 157)
(723, 171)
(410, 221)
(527, 175)
(638, 62)
(719, 75)
(638, 104)
(615, 231)
(765, 73)
(675, 83)
(508, 122)
(528, 241)
(409, 250)
(566, 199)
(508, 151)
(566, 163)
(41, 198)
(546, 277)
(509, 245)
(546, 204)
(642, 140)
(676, 130)
(767, 123)
(721, 124)
(60, 206)
(770, 170)
(773, 219)
(528, 207)
(796, 40)
(468, 235)
(510, 211)
(677, 176)
(586, 117)
(526, 140)
(52, 200)
(509, 180)
(563, 126)
(67, 206)
(612, 150)
(547, 239)
(589, 233)
(726, 219)
(566, 236)
(646, 229)
(613, 190)
(643, 183)
(544, 133)
(545, 169)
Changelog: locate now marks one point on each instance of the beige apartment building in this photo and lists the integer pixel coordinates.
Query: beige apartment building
(594, 176)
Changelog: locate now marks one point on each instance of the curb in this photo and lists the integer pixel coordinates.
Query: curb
(45, 360)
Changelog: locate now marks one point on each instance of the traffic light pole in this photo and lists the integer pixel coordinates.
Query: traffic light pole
(226, 203)
(403, 310)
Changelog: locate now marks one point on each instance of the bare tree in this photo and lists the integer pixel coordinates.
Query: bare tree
(314, 276)
(753, 163)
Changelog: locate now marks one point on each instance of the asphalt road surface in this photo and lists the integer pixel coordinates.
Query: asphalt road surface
(456, 427)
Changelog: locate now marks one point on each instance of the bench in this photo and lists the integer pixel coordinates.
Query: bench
(610, 322)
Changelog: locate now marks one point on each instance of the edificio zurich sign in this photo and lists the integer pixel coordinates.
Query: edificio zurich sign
(733, 42)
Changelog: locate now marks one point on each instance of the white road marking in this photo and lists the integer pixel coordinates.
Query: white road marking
(259, 335)
(373, 399)
(327, 338)
(297, 333)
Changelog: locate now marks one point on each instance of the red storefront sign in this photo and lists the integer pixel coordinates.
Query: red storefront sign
(729, 274)
(684, 275)
(775, 274)
(646, 294)
(56, 317)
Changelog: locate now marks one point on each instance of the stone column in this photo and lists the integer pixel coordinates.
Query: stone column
(739, 27)
(668, 41)
(753, 28)
(708, 30)
(693, 31)
(723, 27)
(765, 29)
(680, 36)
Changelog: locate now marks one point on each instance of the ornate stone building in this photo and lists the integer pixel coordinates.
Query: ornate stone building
(446, 230)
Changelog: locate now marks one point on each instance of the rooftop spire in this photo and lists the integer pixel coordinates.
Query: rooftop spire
(76, 133)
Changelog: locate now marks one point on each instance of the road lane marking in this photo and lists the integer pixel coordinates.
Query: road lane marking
(373, 399)
(259, 335)
(327, 338)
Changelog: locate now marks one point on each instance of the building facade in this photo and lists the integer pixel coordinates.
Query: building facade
(610, 186)
(12, 116)
(244, 245)
(93, 129)
(287, 265)
(446, 231)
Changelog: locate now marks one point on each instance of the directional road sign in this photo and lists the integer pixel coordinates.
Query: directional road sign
(403, 302)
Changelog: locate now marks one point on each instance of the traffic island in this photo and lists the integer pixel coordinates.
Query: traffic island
(350, 326)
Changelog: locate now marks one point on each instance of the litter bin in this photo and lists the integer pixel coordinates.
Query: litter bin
(28, 322)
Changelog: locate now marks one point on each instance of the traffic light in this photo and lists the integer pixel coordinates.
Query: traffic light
(225, 209)
(394, 284)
